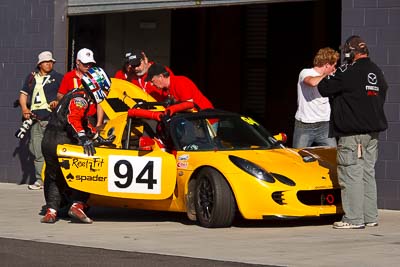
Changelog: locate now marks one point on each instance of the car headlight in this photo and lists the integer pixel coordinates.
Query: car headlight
(252, 169)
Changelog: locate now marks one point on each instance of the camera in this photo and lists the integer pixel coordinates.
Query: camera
(26, 125)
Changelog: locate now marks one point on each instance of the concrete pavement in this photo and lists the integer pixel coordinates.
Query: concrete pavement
(305, 243)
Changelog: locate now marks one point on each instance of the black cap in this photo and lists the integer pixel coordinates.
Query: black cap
(356, 44)
(126, 57)
(135, 57)
(155, 69)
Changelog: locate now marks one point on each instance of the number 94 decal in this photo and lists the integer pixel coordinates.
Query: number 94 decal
(129, 174)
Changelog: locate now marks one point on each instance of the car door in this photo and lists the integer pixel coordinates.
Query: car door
(121, 173)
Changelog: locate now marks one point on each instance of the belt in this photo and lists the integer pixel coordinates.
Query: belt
(311, 124)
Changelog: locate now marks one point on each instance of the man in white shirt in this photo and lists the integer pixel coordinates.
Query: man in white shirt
(313, 111)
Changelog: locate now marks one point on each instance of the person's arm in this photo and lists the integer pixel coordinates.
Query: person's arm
(59, 96)
(331, 85)
(78, 108)
(24, 93)
(23, 99)
(100, 116)
(313, 81)
(77, 111)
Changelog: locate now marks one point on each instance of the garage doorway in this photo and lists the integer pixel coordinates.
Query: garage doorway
(245, 58)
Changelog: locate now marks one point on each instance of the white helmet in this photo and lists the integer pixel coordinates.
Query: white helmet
(96, 81)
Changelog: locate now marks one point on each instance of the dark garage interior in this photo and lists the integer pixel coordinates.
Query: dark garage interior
(245, 58)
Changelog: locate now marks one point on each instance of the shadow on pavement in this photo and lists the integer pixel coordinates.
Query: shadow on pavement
(30, 253)
(132, 215)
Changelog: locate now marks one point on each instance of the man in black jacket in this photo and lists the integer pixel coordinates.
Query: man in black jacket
(357, 92)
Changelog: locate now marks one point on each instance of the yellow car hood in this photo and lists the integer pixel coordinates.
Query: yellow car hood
(319, 173)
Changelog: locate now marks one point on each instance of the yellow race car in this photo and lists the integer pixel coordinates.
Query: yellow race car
(211, 164)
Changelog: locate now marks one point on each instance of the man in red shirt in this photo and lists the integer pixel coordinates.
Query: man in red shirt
(140, 65)
(126, 72)
(72, 79)
(180, 88)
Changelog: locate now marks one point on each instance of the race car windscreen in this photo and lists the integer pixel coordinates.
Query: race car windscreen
(221, 133)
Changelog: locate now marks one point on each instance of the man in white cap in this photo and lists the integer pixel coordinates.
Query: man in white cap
(72, 79)
(37, 99)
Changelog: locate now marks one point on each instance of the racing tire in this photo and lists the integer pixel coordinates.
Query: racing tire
(214, 201)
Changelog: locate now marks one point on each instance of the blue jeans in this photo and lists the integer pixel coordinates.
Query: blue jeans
(308, 134)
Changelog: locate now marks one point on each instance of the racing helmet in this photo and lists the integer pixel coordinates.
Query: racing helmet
(97, 83)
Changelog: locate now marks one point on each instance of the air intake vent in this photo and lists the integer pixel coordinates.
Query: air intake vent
(320, 197)
(278, 197)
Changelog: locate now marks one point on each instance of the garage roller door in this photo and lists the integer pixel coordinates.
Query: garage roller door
(83, 7)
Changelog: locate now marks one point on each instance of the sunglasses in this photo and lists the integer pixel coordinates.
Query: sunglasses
(137, 64)
(87, 65)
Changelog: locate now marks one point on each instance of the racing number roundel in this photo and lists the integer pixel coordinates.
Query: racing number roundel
(134, 174)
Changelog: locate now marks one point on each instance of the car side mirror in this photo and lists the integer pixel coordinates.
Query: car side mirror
(146, 143)
(281, 137)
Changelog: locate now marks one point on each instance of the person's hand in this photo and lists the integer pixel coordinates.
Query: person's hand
(26, 113)
(104, 141)
(53, 104)
(88, 147)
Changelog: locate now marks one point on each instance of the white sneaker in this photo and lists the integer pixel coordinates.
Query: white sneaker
(346, 225)
(36, 186)
(371, 224)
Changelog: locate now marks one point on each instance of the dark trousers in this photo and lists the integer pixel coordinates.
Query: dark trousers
(55, 186)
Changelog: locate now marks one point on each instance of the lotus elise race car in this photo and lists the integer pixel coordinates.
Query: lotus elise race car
(210, 164)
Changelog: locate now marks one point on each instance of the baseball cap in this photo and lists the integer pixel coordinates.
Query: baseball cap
(135, 57)
(85, 56)
(356, 42)
(155, 69)
(126, 57)
(45, 56)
